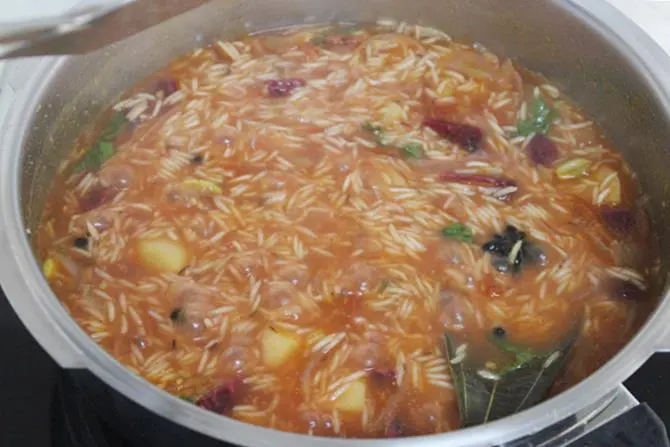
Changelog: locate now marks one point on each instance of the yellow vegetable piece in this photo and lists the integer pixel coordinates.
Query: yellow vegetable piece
(392, 113)
(201, 187)
(50, 268)
(163, 255)
(609, 181)
(277, 348)
(353, 399)
(577, 167)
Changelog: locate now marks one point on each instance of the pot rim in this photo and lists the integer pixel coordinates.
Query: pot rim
(29, 292)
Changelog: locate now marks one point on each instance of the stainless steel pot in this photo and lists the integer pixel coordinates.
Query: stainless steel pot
(607, 64)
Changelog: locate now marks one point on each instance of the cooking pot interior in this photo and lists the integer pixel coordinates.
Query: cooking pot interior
(597, 71)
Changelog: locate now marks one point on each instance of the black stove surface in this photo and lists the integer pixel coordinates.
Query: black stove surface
(40, 406)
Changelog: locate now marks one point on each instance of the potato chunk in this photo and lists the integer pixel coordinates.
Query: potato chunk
(610, 182)
(353, 399)
(200, 187)
(162, 255)
(277, 348)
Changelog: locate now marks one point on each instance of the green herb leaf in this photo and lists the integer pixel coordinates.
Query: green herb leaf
(484, 395)
(541, 117)
(96, 157)
(103, 149)
(111, 131)
(459, 232)
(190, 399)
(413, 150)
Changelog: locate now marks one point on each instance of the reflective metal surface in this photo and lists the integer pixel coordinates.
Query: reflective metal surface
(593, 52)
(88, 27)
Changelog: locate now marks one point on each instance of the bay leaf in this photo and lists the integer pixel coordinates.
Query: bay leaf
(486, 395)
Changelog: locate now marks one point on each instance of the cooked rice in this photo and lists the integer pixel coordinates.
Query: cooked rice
(312, 217)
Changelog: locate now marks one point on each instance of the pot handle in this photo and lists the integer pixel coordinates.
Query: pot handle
(625, 423)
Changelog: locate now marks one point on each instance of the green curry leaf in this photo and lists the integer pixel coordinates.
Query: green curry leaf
(459, 232)
(541, 117)
(103, 149)
(412, 150)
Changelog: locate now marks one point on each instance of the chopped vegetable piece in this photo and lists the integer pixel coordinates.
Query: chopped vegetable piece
(190, 399)
(178, 315)
(281, 88)
(476, 179)
(81, 243)
(95, 197)
(618, 219)
(466, 136)
(383, 375)
(167, 86)
(352, 400)
(610, 182)
(197, 159)
(201, 187)
(221, 400)
(393, 113)
(542, 151)
(413, 150)
(336, 37)
(162, 255)
(541, 117)
(277, 347)
(577, 167)
(459, 232)
(50, 268)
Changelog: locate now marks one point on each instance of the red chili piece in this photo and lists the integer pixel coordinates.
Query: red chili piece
(167, 86)
(345, 40)
(466, 136)
(96, 197)
(383, 375)
(476, 179)
(618, 219)
(279, 88)
(542, 151)
(221, 399)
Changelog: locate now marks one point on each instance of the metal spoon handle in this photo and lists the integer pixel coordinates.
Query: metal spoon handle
(87, 28)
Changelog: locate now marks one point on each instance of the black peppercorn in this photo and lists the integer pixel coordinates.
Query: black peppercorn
(81, 243)
(177, 315)
(499, 332)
